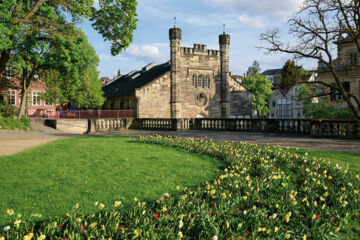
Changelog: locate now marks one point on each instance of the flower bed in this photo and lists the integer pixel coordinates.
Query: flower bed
(264, 192)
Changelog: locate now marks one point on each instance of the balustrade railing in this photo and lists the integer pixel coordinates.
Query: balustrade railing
(322, 128)
(110, 124)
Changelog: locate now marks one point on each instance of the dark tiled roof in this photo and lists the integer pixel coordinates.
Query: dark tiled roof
(126, 84)
(275, 71)
(272, 71)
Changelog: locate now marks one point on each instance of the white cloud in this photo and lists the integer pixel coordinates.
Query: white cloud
(275, 8)
(253, 22)
(148, 52)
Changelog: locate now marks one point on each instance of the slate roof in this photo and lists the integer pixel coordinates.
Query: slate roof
(126, 84)
(272, 72)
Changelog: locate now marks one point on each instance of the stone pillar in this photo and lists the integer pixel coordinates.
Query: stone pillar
(224, 41)
(175, 38)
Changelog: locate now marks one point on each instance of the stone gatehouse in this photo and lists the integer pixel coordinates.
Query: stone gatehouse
(195, 83)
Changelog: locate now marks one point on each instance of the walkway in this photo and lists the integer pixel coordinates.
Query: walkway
(17, 141)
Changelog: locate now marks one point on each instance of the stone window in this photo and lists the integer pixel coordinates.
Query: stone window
(207, 81)
(335, 95)
(201, 81)
(12, 98)
(273, 103)
(36, 99)
(194, 81)
(353, 58)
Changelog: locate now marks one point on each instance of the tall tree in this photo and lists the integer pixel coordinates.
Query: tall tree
(290, 75)
(260, 86)
(73, 77)
(316, 26)
(115, 20)
(254, 68)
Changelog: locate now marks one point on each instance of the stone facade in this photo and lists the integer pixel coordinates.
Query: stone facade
(194, 84)
(347, 65)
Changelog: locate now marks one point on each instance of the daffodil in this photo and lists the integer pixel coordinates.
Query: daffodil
(41, 237)
(276, 229)
(180, 234)
(10, 212)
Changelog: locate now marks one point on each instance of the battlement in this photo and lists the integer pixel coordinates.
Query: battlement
(199, 49)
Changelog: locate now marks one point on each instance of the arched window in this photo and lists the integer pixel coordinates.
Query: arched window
(201, 81)
(207, 81)
(194, 82)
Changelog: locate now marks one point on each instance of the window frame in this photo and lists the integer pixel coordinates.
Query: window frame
(36, 94)
(200, 81)
(12, 96)
(194, 81)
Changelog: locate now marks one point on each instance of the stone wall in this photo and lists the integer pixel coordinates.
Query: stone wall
(153, 99)
(198, 101)
(240, 99)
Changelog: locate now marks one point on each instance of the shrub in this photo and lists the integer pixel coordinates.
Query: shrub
(263, 193)
(15, 124)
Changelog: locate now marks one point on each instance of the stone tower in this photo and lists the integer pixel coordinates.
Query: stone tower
(175, 39)
(224, 41)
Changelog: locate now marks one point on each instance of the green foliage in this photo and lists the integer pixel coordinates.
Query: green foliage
(260, 86)
(115, 21)
(290, 75)
(6, 110)
(263, 193)
(15, 124)
(254, 68)
(74, 77)
(324, 109)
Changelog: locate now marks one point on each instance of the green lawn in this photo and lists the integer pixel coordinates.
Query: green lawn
(341, 158)
(52, 178)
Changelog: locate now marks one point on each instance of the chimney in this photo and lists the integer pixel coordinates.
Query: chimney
(230, 74)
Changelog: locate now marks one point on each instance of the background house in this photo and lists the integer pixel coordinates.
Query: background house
(285, 103)
(36, 105)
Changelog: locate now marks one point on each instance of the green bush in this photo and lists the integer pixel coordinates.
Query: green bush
(15, 124)
(264, 193)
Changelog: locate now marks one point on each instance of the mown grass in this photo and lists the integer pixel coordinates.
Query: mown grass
(50, 179)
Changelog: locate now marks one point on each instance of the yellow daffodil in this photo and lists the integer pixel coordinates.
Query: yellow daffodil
(180, 234)
(41, 237)
(101, 206)
(136, 232)
(93, 225)
(17, 223)
(227, 225)
(10, 212)
(276, 229)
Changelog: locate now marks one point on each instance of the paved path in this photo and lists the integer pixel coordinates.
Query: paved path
(284, 140)
(12, 141)
(17, 141)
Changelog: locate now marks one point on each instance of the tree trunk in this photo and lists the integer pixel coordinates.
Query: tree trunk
(25, 90)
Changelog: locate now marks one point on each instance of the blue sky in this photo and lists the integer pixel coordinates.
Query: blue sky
(201, 22)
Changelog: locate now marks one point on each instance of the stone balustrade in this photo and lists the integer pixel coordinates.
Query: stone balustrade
(110, 124)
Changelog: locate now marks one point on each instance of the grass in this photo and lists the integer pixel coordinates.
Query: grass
(341, 158)
(15, 124)
(52, 178)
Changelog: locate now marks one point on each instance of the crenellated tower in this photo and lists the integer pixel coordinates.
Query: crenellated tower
(175, 45)
(224, 41)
